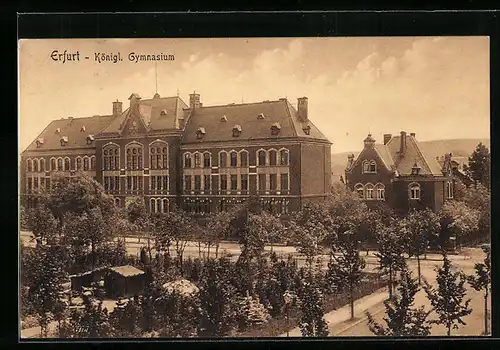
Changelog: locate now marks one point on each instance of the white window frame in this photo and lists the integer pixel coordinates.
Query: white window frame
(380, 189)
(359, 187)
(287, 151)
(414, 188)
(370, 188)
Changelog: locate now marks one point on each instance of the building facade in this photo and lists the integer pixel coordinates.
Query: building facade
(202, 158)
(398, 173)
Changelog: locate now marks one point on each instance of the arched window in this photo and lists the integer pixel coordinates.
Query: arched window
(117, 202)
(53, 166)
(86, 164)
(111, 157)
(79, 162)
(92, 163)
(373, 167)
(187, 160)
(369, 191)
(134, 156)
(272, 157)
(284, 157)
(158, 155)
(165, 205)
(222, 159)
(261, 156)
(369, 166)
(67, 164)
(29, 165)
(449, 190)
(35, 165)
(360, 190)
(414, 190)
(158, 206)
(206, 160)
(243, 158)
(42, 164)
(197, 160)
(152, 204)
(380, 188)
(60, 164)
(233, 156)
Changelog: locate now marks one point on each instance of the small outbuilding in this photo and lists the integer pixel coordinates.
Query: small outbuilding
(124, 281)
(85, 279)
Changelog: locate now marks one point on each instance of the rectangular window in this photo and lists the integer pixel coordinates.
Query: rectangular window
(206, 183)
(165, 183)
(42, 183)
(244, 159)
(187, 182)
(158, 183)
(223, 182)
(117, 183)
(197, 183)
(129, 183)
(197, 160)
(244, 182)
(153, 162)
(273, 183)
(165, 161)
(106, 183)
(262, 182)
(234, 182)
(284, 182)
(206, 160)
(35, 183)
(30, 184)
(152, 183)
(233, 156)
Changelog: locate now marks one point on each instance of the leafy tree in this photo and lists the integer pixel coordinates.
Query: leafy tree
(346, 266)
(421, 228)
(459, 220)
(251, 312)
(390, 240)
(139, 220)
(24, 218)
(448, 299)
(480, 164)
(478, 197)
(312, 323)
(42, 223)
(218, 226)
(217, 306)
(92, 321)
(162, 227)
(402, 319)
(180, 314)
(481, 280)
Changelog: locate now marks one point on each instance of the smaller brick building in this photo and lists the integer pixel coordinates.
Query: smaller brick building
(399, 173)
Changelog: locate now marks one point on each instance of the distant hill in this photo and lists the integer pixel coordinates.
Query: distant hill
(431, 149)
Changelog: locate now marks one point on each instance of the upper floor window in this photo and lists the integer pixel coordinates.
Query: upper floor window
(35, 165)
(42, 164)
(233, 156)
(187, 160)
(414, 190)
(29, 165)
(380, 188)
(272, 157)
(79, 163)
(86, 163)
(206, 160)
(158, 155)
(111, 157)
(59, 164)
(92, 164)
(222, 159)
(243, 158)
(449, 190)
(197, 160)
(261, 157)
(284, 157)
(67, 164)
(360, 190)
(134, 156)
(369, 191)
(53, 164)
(369, 166)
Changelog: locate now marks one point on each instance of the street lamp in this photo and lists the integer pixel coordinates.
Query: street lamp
(288, 297)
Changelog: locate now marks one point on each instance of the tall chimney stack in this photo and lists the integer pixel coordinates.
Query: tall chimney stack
(117, 108)
(402, 147)
(387, 138)
(194, 100)
(412, 134)
(302, 108)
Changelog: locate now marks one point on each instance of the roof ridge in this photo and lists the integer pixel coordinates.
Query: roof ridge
(242, 104)
(421, 154)
(288, 105)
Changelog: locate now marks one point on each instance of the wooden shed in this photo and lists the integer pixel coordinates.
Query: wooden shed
(85, 279)
(124, 281)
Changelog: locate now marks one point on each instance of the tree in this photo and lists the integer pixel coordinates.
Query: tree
(24, 218)
(312, 323)
(162, 232)
(458, 220)
(217, 307)
(390, 250)
(478, 197)
(218, 226)
(422, 226)
(139, 220)
(125, 319)
(481, 280)
(42, 223)
(92, 321)
(180, 314)
(480, 164)
(346, 265)
(448, 299)
(402, 319)
(251, 312)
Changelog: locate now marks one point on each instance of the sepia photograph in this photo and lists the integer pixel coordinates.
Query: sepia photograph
(254, 187)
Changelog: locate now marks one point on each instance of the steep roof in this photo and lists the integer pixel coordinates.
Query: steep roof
(158, 113)
(75, 129)
(218, 128)
(412, 155)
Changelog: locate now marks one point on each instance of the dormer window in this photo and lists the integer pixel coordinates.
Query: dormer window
(275, 129)
(39, 142)
(415, 170)
(223, 119)
(307, 129)
(163, 112)
(236, 130)
(83, 129)
(58, 130)
(261, 116)
(200, 133)
(90, 139)
(64, 140)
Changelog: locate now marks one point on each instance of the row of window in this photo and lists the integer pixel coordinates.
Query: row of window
(202, 206)
(266, 182)
(370, 192)
(133, 183)
(236, 158)
(35, 184)
(85, 163)
(158, 153)
(158, 205)
(369, 167)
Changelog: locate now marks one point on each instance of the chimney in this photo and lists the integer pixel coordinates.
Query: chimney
(387, 137)
(402, 147)
(412, 134)
(302, 108)
(350, 160)
(194, 100)
(134, 99)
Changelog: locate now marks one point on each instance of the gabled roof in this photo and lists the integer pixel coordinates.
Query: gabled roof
(127, 270)
(247, 116)
(72, 129)
(151, 113)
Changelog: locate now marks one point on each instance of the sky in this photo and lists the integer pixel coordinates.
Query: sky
(437, 87)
